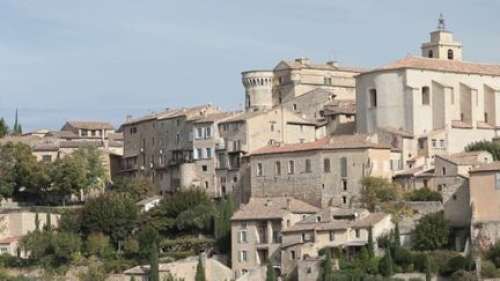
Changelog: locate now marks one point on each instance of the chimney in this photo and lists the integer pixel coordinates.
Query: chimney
(303, 60)
(333, 63)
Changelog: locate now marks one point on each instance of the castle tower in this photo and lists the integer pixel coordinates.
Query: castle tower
(442, 45)
(258, 89)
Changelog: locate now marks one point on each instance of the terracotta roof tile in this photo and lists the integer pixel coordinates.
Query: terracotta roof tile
(91, 125)
(464, 158)
(347, 107)
(336, 142)
(493, 166)
(272, 208)
(441, 65)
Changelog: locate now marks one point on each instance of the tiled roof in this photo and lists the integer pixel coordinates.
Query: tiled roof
(46, 146)
(464, 158)
(63, 134)
(399, 132)
(296, 64)
(347, 107)
(90, 125)
(441, 65)
(216, 117)
(190, 112)
(493, 166)
(336, 142)
(272, 208)
(243, 116)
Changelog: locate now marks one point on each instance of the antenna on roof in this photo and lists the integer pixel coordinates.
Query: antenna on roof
(441, 23)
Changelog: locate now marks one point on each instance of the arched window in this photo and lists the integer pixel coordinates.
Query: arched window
(430, 54)
(426, 99)
(450, 54)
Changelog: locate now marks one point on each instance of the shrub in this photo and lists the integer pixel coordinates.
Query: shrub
(424, 194)
(454, 264)
(463, 275)
(431, 232)
(488, 269)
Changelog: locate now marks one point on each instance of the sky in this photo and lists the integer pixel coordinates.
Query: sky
(106, 59)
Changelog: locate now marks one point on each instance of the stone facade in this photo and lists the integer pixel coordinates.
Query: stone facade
(323, 173)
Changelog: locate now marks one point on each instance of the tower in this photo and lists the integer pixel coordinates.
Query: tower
(442, 45)
(258, 89)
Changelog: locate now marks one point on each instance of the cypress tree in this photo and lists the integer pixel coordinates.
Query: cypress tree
(386, 264)
(200, 271)
(37, 222)
(4, 129)
(397, 239)
(48, 221)
(428, 269)
(154, 267)
(270, 274)
(326, 268)
(371, 245)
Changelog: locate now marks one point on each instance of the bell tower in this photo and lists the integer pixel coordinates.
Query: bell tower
(442, 45)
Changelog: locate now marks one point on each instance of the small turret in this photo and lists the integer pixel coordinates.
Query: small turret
(258, 89)
(442, 44)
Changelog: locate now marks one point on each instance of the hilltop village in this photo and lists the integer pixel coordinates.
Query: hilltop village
(330, 172)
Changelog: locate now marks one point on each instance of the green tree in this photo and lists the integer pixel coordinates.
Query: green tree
(225, 211)
(428, 268)
(65, 245)
(154, 274)
(326, 271)
(397, 236)
(200, 271)
(17, 128)
(148, 238)
(98, 244)
(270, 273)
(431, 232)
(424, 194)
(114, 215)
(371, 246)
(95, 272)
(386, 264)
(491, 147)
(37, 222)
(137, 187)
(4, 129)
(376, 191)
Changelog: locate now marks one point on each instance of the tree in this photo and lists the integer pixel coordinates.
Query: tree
(397, 236)
(424, 194)
(431, 232)
(114, 215)
(386, 264)
(270, 273)
(95, 272)
(17, 128)
(148, 238)
(200, 271)
(65, 245)
(98, 244)
(492, 147)
(37, 222)
(154, 274)
(371, 246)
(225, 211)
(137, 187)
(4, 129)
(428, 268)
(326, 273)
(376, 191)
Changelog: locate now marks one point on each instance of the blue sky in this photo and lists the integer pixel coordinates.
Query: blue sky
(104, 59)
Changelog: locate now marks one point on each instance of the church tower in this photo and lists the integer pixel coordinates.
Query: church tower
(442, 45)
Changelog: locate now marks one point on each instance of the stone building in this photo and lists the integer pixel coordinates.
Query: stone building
(265, 89)
(344, 229)
(485, 204)
(256, 231)
(441, 102)
(244, 133)
(160, 146)
(15, 223)
(88, 129)
(326, 172)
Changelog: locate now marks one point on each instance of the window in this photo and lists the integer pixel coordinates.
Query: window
(344, 184)
(259, 169)
(434, 143)
(199, 153)
(292, 255)
(426, 99)
(178, 122)
(332, 236)
(443, 171)
(442, 143)
(85, 132)
(343, 167)
(291, 167)
(358, 233)
(177, 138)
(243, 256)
(326, 165)
(462, 117)
(328, 80)
(308, 166)
(426, 183)
(204, 168)
(485, 117)
(199, 133)
(209, 132)
(421, 143)
(93, 133)
(206, 185)
(272, 127)
(344, 200)
(450, 54)
(47, 158)
(373, 98)
(294, 107)
(497, 180)
(430, 54)
(209, 152)
(277, 168)
(243, 236)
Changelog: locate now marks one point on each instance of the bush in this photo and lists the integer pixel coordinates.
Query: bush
(454, 264)
(488, 270)
(493, 254)
(431, 232)
(463, 275)
(424, 194)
